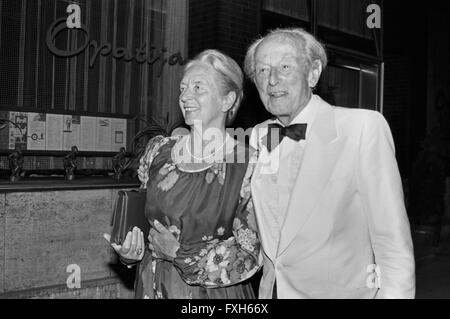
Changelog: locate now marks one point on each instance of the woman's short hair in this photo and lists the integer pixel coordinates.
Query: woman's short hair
(310, 49)
(230, 75)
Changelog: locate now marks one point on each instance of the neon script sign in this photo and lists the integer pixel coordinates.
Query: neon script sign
(144, 53)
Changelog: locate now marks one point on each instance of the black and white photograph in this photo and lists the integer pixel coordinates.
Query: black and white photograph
(241, 151)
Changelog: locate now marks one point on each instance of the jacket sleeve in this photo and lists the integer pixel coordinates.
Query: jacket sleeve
(219, 263)
(380, 185)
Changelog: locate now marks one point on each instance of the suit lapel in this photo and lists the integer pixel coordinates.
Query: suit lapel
(322, 149)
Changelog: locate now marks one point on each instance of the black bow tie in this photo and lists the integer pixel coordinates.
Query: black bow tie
(295, 131)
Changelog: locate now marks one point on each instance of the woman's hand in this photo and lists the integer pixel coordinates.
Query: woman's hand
(162, 242)
(133, 246)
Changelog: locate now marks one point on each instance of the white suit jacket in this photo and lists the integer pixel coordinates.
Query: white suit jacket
(346, 233)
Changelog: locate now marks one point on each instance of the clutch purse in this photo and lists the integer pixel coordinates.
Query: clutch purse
(129, 211)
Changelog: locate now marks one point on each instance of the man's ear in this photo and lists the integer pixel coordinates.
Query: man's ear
(228, 101)
(314, 73)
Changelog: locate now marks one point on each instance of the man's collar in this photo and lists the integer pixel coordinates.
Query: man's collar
(320, 119)
(306, 115)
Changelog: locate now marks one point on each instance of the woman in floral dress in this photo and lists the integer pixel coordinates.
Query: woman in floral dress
(204, 241)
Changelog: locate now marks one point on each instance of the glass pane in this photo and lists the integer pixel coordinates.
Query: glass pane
(339, 86)
(295, 9)
(345, 15)
(369, 87)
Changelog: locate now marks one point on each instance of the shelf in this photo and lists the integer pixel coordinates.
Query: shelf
(42, 184)
(63, 153)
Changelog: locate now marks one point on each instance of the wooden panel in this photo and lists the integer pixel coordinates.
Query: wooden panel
(102, 62)
(9, 52)
(50, 230)
(2, 240)
(176, 29)
(128, 69)
(34, 77)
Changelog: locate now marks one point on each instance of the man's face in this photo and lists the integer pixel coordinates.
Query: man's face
(281, 77)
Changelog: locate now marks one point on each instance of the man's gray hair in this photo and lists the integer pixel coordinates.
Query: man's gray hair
(310, 48)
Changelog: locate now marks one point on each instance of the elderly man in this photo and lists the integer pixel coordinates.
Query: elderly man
(326, 189)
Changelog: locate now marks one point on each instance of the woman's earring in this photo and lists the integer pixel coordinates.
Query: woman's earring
(230, 114)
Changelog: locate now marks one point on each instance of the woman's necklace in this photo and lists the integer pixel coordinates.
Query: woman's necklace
(208, 156)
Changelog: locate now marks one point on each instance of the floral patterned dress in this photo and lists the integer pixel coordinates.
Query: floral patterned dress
(211, 214)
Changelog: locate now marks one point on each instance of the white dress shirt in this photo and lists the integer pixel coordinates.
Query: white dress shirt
(275, 188)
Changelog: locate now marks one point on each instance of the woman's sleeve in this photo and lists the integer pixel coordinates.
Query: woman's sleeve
(150, 153)
(219, 263)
